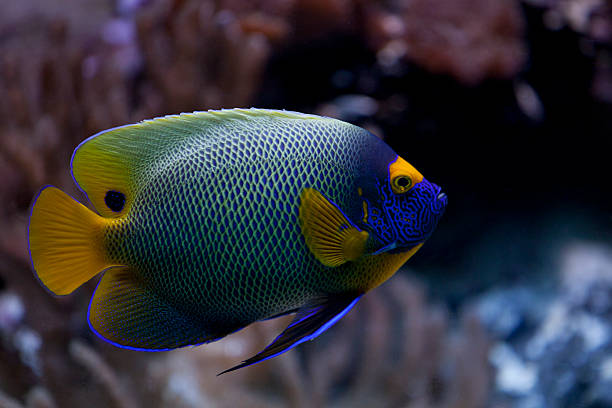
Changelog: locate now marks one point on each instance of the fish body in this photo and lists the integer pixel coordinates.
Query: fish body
(213, 220)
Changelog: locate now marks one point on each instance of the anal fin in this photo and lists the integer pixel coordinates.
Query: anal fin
(127, 314)
(310, 321)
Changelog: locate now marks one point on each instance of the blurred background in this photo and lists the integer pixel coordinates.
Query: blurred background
(506, 104)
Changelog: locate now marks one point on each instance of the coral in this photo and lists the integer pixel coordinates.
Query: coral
(91, 360)
(62, 87)
(592, 20)
(557, 351)
(154, 59)
(64, 77)
(8, 402)
(393, 350)
(469, 39)
(59, 83)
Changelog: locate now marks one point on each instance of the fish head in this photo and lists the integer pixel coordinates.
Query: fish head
(404, 207)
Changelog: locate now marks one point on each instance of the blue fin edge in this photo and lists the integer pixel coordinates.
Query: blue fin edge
(99, 335)
(321, 329)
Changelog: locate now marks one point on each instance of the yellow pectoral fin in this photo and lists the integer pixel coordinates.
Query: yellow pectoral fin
(329, 235)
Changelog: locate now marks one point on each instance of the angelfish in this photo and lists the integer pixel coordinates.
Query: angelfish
(209, 221)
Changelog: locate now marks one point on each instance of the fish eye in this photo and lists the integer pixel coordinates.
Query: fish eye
(401, 184)
(114, 200)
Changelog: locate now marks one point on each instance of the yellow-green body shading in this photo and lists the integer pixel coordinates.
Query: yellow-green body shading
(213, 227)
(212, 236)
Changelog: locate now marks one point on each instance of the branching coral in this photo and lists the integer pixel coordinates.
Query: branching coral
(168, 56)
(103, 372)
(470, 39)
(56, 88)
(392, 350)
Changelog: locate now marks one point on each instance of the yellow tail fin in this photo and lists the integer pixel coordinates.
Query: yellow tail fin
(66, 241)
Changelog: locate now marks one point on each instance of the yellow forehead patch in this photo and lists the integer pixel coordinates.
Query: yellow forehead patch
(401, 167)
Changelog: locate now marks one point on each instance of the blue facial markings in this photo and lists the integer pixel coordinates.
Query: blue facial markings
(379, 223)
(415, 214)
(406, 219)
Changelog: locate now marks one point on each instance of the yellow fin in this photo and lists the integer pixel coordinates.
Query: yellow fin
(329, 235)
(124, 312)
(65, 240)
(101, 164)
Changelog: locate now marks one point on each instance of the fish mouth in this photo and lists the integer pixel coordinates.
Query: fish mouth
(439, 203)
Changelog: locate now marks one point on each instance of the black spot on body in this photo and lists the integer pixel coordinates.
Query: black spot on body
(114, 200)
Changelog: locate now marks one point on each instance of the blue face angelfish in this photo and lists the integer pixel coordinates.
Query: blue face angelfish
(209, 221)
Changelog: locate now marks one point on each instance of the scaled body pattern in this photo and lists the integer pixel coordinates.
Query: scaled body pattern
(209, 221)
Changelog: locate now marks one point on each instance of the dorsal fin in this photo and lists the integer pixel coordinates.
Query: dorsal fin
(116, 159)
